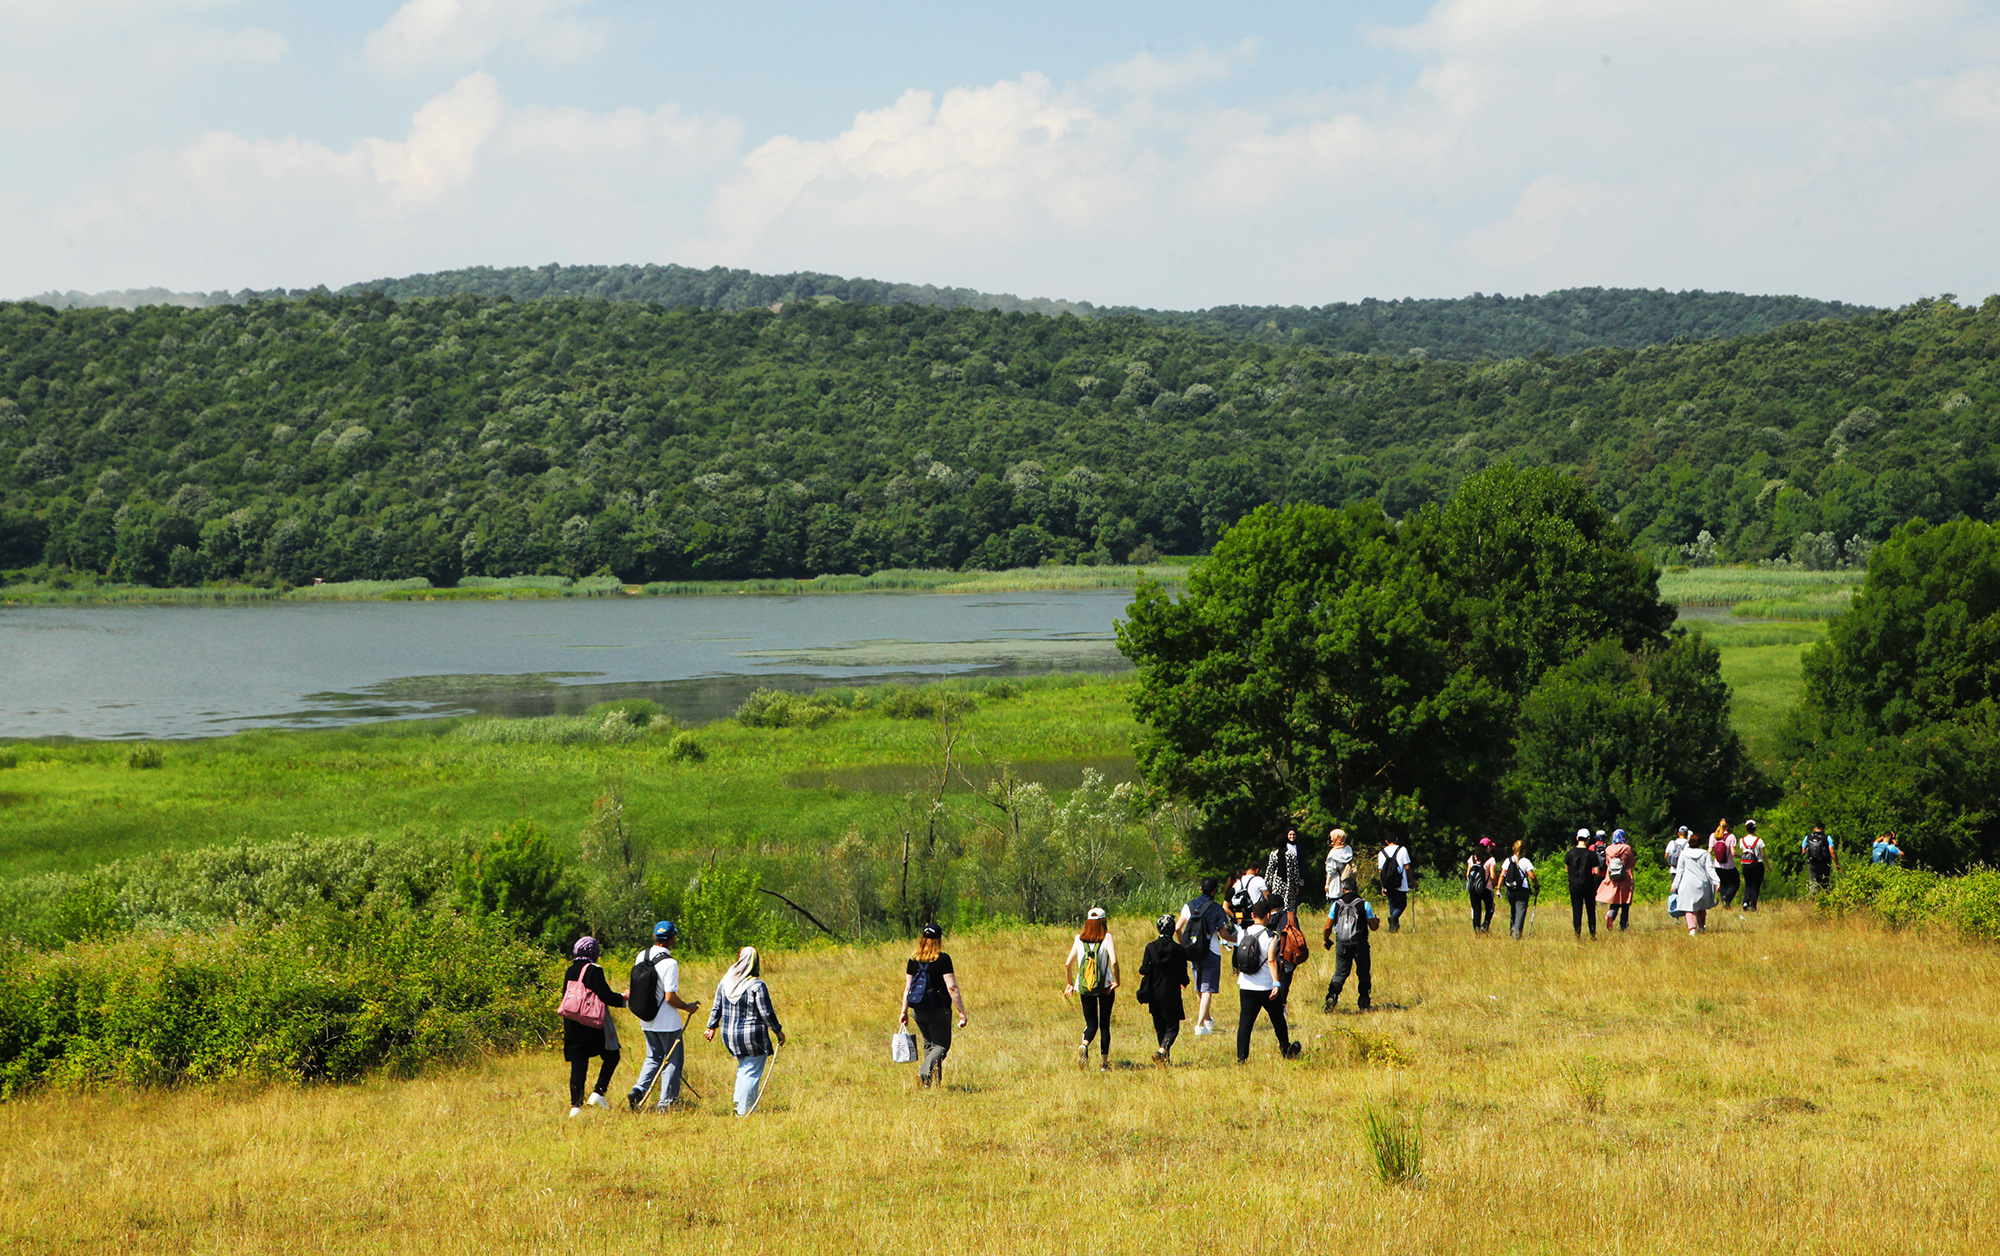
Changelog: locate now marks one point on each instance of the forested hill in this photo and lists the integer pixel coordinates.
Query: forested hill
(1457, 327)
(351, 437)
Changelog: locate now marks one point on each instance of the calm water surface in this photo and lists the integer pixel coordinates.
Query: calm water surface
(171, 671)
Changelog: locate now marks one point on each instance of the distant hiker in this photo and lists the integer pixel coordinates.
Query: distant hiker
(1579, 862)
(1481, 874)
(1615, 890)
(1201, 926)
(1598, 845)
(1695, 883)
(581, 1040)
(655, 999)
(1247, 894)
(1349, 921)
(1392, 870)
(1285, 872)
(1822, 857)
(1674, 849)
(1722, 849)
(1885, 851)
(1259, 985)
(1517, 877)
(1339, 861)
(1163, 973)
(748, 1022)
(1750, 854)
(1090, 972)
(930, 990)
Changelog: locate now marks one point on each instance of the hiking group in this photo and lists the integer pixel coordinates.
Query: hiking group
(1255, 924)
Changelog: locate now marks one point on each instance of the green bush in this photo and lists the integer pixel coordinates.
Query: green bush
(1906, 898)
(685, 748)
(145, 757)
(774, 708)
(7, 759)
(613, 728)
(722, 911)
(928, 703)
(518, 876)
(643, 712)
(328, 998)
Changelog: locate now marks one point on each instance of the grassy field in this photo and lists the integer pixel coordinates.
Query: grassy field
(770, 791)
(1761, 664)
(1781, 1084)
(1727, 586)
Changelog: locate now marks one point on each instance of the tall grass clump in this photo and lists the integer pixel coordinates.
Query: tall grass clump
(1726, 586)
(613, 728)
(353, 590)
(1395, 1143)
(145, 758)
(776, 708)
(1908, 898)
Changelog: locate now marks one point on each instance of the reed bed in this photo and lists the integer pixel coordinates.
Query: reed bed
(1726, 586)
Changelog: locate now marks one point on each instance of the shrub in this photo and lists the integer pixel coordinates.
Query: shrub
(722, 912)
(928, 703)
(145, 757)
(1906, 898)
(642, 712)
(616, 727)
(775, 708)
(685, 748)
(7, 759)
(519, 877)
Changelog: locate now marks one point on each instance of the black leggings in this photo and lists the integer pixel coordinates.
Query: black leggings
(1096, 1017)
(1482, 910)
(579, 1070)
(1730, 880)
(1579, 905)
(1166, 1026)
(1248, 1004)
(1753, 885)
(1621, 913)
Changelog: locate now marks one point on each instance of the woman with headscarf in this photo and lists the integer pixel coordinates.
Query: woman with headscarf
(742, 1010)
(932, 1006)
(1339, 861)
(1163, 974)
(1695, 883)
(1615, 890)
(581, 1041)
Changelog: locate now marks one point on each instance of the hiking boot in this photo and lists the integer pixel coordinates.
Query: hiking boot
(597, 1101)
(1293, 1051)
(1332, 1006)
(1104, 1064)
(633, 1099)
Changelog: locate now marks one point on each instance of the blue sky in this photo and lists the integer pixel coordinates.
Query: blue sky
(1159, 154)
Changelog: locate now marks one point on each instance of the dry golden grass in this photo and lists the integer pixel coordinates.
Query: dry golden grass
(1779, 1085)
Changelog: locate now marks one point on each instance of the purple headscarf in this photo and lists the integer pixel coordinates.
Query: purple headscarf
(585, 948)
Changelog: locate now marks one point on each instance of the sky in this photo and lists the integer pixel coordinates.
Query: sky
(1155, 154)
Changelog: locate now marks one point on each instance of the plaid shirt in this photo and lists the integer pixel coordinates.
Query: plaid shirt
(745, 1020)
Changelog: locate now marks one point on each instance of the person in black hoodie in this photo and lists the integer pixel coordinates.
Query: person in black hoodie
(581, 1041)
(1163, 974)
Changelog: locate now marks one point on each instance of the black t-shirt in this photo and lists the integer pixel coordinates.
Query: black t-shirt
(935, 995)
(1580, 861)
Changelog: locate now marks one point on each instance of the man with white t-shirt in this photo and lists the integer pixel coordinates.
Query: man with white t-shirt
(665, 1053)
(1392, 865)
(1203, 924)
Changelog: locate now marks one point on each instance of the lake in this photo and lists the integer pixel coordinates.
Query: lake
(174, 671)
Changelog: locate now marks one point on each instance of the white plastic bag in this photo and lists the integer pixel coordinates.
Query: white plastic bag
(903, 1047)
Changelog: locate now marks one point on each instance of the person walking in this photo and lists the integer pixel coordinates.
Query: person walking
(931, 1004)
(1579, 863)
(582, 1042)
(1285, 872)
(1201, 926)
(1695, 884)
(1517, 877)
(1339, 861)
(1750, 854)
(666, 1052)
(748, 1022)
(1163, 974)
(1674, 849)
(1822, 857)
(1615, 890)
(1481, 874)
(1392, 868)
(1598, 845)
(1722, 849)
(1246, 895)
(1885, 851)
(1349, 921)
(1259, 985)
(1090, 972)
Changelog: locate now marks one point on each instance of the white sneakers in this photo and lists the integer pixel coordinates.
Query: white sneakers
(1206, 1027)
(576, 1111)
(597, 1101)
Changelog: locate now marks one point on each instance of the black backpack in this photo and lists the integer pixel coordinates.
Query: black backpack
(1514, 878)
(1475, 876)
(1249, 954)
(1389, 876)
(920, 985)
(1194, 936)
(645, 1000)
(1818, 849)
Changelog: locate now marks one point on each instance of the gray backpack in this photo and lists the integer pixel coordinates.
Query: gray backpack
(1350, 921)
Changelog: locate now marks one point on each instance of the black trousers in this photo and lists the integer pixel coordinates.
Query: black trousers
(1753, 885)
(1166, 1026)
(579, 1072)
(1097, 1017)
(1727, 891)
(1581, 903)
(1619, 914)
(1345, 957)
(1482, 910)
(1248, 1004)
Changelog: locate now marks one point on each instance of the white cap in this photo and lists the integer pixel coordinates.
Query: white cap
(1095, 913)
(1583, 832)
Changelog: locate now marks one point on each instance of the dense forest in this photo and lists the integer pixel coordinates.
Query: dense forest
(1457, 327)
(359, 437)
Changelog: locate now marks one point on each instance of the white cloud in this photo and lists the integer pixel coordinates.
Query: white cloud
(460, 32)
(1149, 75)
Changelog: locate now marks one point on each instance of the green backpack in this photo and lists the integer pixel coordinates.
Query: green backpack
(1089, 972)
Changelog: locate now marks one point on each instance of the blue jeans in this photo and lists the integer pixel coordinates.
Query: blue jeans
(664, 1056)
(750, 1082)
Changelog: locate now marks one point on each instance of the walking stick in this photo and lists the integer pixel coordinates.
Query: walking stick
(763, 1083)
(681, 1046)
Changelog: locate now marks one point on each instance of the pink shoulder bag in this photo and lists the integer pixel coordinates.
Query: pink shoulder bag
(581, 1004)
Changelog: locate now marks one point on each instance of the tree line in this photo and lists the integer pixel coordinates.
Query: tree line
(362, 438)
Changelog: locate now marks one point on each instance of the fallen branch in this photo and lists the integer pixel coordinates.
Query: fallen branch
(800, 910)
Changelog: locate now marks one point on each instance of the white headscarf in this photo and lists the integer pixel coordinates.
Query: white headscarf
(741, 973)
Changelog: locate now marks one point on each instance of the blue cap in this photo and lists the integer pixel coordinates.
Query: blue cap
(665, 929)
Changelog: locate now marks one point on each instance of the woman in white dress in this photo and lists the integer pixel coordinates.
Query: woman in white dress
(1695, 884)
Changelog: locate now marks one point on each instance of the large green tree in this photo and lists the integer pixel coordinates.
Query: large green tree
(1339, 667)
